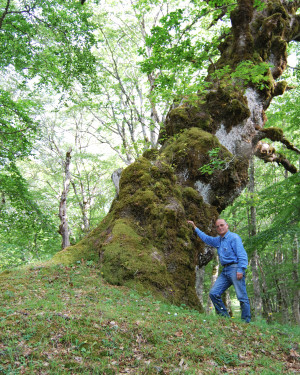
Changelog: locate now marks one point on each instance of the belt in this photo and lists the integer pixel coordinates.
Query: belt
(229, 264)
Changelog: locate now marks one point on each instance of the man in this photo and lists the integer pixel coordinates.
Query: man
(234, 260)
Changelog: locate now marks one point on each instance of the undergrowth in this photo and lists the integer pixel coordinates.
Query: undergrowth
(67, 320)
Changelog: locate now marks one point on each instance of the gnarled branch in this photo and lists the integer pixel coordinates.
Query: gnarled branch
(275, 135)
(268, 154)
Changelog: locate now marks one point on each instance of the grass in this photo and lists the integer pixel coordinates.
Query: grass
(67, 320)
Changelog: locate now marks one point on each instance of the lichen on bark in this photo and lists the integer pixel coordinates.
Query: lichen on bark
(145, 241)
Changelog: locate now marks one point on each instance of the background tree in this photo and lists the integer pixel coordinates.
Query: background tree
(90, 167)
(125, 115)
(49, 41)
(42, 43)
(28, 230)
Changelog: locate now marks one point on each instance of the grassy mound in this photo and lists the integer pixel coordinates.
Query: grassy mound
(68, 320)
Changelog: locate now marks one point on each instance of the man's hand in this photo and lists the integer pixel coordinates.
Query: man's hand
(192, 223)
(239, 275)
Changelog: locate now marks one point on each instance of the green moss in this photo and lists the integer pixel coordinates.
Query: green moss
(151, 154)
(86, 249)
(241, 16)
(275, 134)
(239, 110)
(225, 46)
(190, 139)
(189, 152)
(276, 7)
(129, 255)
(187, 115)
(192, 195)
(191, 116)
(180, 113)
(227, 105)
(280, 88)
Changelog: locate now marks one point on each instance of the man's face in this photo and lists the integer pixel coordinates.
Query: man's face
(222, 227)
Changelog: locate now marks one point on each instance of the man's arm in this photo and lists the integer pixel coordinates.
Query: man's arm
(209, 240)
(240, 253)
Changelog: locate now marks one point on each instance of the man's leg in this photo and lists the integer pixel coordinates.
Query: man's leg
(241, 293)
(222, 284)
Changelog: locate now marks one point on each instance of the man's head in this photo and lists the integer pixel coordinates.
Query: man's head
(222, 227)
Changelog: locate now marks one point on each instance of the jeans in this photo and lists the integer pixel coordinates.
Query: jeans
(224, 281)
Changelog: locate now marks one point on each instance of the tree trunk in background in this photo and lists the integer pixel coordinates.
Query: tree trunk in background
(280, 282)
(257, 300)
(214, 276)
(199, 285)
(296, 297)
(3, 200)
(227, 302)
(64, 228)
(266, 301)
(145, 240)
(84, 206)
(257, 304)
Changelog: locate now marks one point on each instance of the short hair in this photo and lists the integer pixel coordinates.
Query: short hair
(220, 218)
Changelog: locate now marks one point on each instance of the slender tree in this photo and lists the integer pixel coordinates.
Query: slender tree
(296, 297)
(64, 227)
(214, 276)
(125, 115)
(257, 300)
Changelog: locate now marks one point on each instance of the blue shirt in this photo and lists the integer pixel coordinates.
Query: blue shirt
(230, 248)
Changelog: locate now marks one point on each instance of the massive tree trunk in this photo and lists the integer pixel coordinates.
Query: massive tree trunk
(144, 240)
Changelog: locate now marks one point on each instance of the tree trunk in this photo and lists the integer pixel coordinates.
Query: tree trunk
(214, 276)
(296, 297)
(257, 300)
(266, 300)
(227, 302)
(64, 228)
(145, 240)
(2, 201)
(199, 285)
(280, 282)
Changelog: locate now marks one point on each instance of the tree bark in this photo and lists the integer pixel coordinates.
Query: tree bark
(282, 293)
(64, 227)
(214, 276)
(257, 300)
(266, 299)
(199, 285)
(145, 240)
(227, 302)
(296, 297)
(84, 204)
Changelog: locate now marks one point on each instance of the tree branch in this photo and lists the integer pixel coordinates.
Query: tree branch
(275, 135)
(4, 13)
(268, 154)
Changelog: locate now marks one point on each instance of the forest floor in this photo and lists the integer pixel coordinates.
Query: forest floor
(68, 320)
